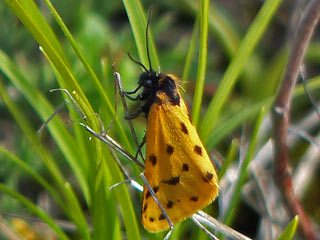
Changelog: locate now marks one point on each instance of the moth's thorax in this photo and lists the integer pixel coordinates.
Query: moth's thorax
(153, 84)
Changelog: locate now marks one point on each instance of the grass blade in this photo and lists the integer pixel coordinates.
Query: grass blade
(202, 64)
(249, 42)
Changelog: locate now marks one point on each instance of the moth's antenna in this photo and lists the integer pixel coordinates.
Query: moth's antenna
(137, 62)
(147, 38)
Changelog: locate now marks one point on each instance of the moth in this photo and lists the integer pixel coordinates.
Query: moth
(177, 165)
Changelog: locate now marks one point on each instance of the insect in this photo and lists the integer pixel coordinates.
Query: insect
(177, 165)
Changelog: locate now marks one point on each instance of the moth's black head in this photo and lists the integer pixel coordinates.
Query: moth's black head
(148, 79)
(152, 83)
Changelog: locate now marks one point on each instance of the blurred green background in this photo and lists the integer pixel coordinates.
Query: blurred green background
(229, 86)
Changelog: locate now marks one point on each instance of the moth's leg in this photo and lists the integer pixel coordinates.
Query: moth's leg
(136, 98)
(132, 92)
(141, 145)
(134, 115)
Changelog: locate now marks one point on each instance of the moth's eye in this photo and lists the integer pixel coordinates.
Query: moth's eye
(148, 83)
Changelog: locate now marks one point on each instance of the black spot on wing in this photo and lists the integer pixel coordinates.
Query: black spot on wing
(170, 149)
(198, 150)
(185, 167)
(153, 159)
(184, 128)
(172, 181)
(169, 204)
(155, 189)
(145, 207)
(208, 177)
(194, 198)
(162, 217)
(151, 219)
(148, 194)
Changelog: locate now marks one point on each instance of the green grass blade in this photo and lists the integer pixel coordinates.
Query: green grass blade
(138, 24)
(249, 42)
(202, 63)
(124, 200)
(290, 229)
(104, 214)
(35, 209)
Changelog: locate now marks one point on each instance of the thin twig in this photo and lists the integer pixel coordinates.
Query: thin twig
(117, 79)
(203, 228)
(281, 114)
(113, 144)
(155, 198)
(218, 226)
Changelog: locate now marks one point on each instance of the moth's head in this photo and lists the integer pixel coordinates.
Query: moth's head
(148, 79)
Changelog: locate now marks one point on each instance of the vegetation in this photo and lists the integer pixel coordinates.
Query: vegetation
(230, 56)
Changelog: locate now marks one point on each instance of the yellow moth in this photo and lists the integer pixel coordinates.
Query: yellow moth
(177, 165)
